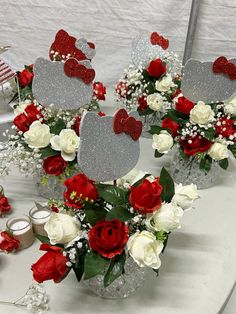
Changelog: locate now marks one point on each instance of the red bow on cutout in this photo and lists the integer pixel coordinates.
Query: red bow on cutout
(129, 125)
(159, 40)
(222, 65)
(74, 69)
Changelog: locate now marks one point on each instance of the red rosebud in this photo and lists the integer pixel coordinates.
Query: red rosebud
(51, 266)
(146, 198)
(195, 145)
(76, 126)
(226, 127)
(79, 188)
(54, 165)
(25, 77)
(142, 103)
(184, 105)
(156, 68)
(168, 123)
(8, 243)
(99, 90)
(24, 120)
(122, 89)
(108, 238)
(5, 207)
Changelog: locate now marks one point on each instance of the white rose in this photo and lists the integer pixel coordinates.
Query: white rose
(21, 107)
(218, 151)
(162, 142)
(164, 84)
(145, 249)
(166, 218)
(67, 142)
(230, 106)
(62, 228)
(185, 195)
(38, 135)
(201, 114)
(155, 102)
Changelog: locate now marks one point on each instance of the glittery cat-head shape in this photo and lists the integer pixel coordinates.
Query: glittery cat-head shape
(209, 81)
(109, 146)
(65, 82)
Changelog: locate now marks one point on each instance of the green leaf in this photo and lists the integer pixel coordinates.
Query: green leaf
(112, 194)
(79, 269)
(115, 269)
(205, 164)
(209, 133)
(157, 154)
(168, 185)
(224, 163)
(47, 152)
(120, 213)
(156, 271)
(182, 153)
(94, 264)
(145, 112)
(232, 148)
(94, 213)
(150, 89)
(42, 239)
(177, 116)
(56, 129)
(155, 129)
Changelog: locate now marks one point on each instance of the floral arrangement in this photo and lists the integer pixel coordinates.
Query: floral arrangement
(206, 132)
(151, 86)
(99, 226)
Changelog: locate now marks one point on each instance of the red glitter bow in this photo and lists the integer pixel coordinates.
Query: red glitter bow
(74, 69)
(159, 40)
(222, 65)
(129, 125)
(64, 44)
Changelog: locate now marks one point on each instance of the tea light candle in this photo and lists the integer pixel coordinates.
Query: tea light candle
(21, 228)
(39, 216)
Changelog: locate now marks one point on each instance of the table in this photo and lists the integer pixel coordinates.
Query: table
(198, 268)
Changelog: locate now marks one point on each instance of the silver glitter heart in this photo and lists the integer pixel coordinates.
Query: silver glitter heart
(200, 83)
(143, 51)
(52, 86)
(82, 45)
(104, 155)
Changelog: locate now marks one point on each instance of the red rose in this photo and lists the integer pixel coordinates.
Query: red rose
(156, 68)
(79, 188)
(76, 126)
(146, 198)
(99, 90)
(4, 205)
(184, 105)
(24, 120)
(142, 101)
(226, 127)
(108, 238)
(25, 77)
(52, 265)
(194, 145)
(167, 123)
(122, 89)
(8, 243)
(54, 165)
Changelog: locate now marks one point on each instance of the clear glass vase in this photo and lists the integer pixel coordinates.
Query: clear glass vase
(187, 171)
(49, 186)
(149, 120)
(125, 285)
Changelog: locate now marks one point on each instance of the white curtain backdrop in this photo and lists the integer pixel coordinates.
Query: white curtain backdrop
(30, 25)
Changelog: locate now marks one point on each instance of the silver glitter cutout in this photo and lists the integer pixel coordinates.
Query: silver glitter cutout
(201, 83)
(52, 86)
(82, 45)
(104, 155)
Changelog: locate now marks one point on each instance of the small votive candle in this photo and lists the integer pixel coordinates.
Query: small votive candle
(39, 216)
(21, 229)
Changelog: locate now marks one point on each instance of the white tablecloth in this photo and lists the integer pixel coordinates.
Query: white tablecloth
(198, 268)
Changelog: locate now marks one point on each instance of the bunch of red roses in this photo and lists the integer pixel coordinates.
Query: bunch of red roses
(106, 224)
(205, 131)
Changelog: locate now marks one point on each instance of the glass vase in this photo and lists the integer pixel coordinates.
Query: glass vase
(49, 186)
(187, 171)
(125, 285)
(149, 120)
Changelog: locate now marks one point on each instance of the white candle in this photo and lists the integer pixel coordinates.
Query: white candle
(39, 216)
(21, 228)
